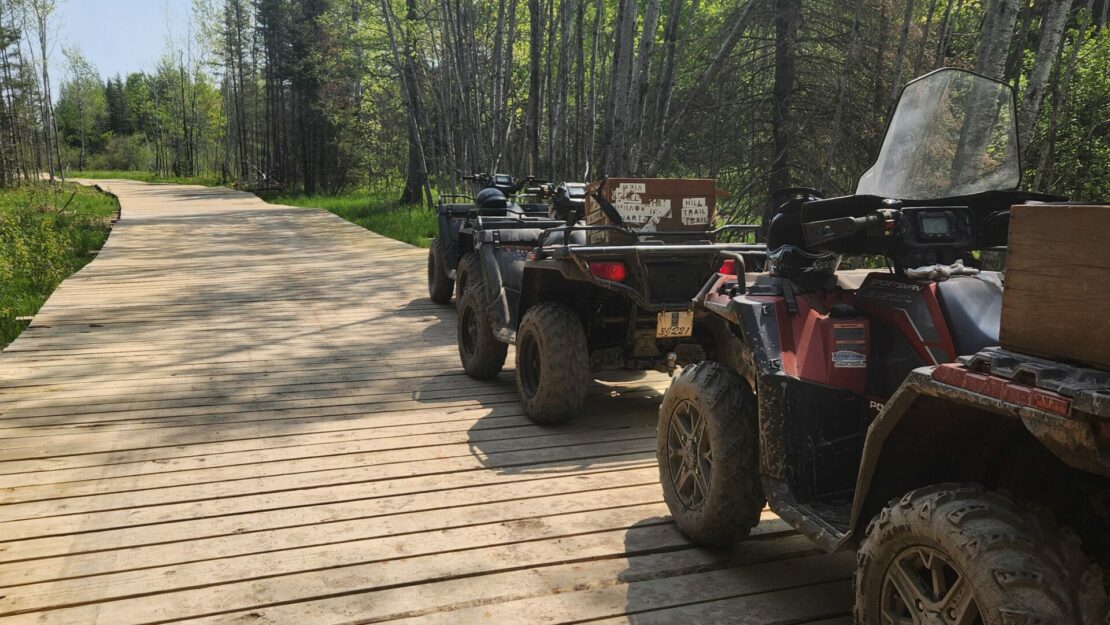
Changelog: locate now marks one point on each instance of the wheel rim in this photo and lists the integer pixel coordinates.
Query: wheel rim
(528, 362)
(469, 338)
(689, 456)
(923, 587)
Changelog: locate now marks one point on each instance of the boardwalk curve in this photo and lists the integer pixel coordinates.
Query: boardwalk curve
(248, 413)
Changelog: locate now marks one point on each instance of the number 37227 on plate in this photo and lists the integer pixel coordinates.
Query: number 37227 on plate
(674, 324)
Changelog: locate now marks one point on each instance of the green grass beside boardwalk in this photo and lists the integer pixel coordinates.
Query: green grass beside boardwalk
(375, 210)
(46, 234)
(207, 180)
(378, 211)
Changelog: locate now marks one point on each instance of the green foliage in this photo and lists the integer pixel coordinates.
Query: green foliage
(1075, 159)
(124, 152)
(378, 211)
(207, 179)
(46, 234)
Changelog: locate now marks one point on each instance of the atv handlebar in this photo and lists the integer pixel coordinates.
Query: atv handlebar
(880, 223)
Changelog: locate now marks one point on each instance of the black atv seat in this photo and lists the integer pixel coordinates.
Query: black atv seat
(577, 237)
(455, 210)
(529, 208)
(532, 235)
(973, 307)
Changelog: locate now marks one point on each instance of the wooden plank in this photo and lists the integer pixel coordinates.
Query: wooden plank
(1057, 270)
(258, 465)
(456, 595)
(235, 544)
(313, 509)
(220, 422)
(612, 453)
(208, 452)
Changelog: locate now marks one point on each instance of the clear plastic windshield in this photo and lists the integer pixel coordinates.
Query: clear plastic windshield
(953, 133)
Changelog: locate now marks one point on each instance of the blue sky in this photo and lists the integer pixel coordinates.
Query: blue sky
(118, 36)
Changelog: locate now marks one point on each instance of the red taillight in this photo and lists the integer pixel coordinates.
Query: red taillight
(612, 270)
(728, 267)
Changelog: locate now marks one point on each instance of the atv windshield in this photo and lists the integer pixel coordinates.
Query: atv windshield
(953, 133)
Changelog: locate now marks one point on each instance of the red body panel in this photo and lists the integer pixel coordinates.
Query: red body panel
(914, 309)
(824, 349)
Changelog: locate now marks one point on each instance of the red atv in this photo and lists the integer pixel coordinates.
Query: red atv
(977, 490)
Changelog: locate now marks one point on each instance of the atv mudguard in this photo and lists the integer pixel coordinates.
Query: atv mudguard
(1075, 432)
(450, 218)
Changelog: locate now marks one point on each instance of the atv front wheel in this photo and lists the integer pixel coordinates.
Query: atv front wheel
(468, 274)
(708, 452)
(552, 363)
(482, 354)
(959, 554)
(439, 285)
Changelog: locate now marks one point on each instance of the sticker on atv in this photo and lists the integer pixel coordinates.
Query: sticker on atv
(845, 359)
(674, 324)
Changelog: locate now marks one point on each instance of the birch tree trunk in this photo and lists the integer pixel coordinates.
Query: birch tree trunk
(670, 57)
(535, 83)
(842, 96)
(731, 38)
(994, 39)
(919, 57)
(942, 36)
(1052, 33)
(1060, 94)
(616, 136)
(787, 17)
(638, 79)
(900, 55)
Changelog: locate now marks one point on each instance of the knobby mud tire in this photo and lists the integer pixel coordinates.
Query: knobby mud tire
(552, 363)
(1020, 567)
(735, 499)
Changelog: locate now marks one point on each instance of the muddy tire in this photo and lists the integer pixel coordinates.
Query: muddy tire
(440, 286)
(707, 445)
(468, 274)
(482, 354)
(552, 363)
(954, 550)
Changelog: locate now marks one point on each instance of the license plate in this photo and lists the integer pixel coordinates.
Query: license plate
(674, 324)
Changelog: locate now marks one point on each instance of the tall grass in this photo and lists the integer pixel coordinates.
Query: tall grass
(207, 180)
(374, 209)
(46, 234)
(378, 211)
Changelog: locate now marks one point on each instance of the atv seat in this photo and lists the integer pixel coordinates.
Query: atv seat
(529, 208)
(518, 236)
(973, 307)
(577, 237)
(455, 210)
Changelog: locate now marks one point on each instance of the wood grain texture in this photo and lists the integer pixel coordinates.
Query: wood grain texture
(247, 413)
(1057, 278)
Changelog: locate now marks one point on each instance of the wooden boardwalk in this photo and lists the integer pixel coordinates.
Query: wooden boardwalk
(245, 413)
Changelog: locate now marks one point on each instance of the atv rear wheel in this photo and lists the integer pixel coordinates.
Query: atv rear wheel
(958, 554)
(482, 354)
(468, 274)
(708, 452)
(552, 363)
(439, 285)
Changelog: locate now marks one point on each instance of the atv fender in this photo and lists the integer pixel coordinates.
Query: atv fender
(1073, 439)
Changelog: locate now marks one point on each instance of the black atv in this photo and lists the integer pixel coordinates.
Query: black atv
(574, 308)
(500, 198)
(976, 489)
